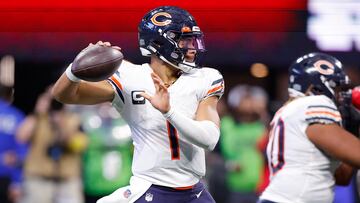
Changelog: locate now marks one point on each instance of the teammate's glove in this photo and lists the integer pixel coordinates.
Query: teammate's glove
(350, 115)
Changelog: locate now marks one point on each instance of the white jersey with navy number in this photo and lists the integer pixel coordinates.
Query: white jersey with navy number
(161, 156)
(300, 172)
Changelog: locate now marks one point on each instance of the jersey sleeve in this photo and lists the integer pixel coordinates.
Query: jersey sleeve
(215, 85)
(322, 112)
(117, 84)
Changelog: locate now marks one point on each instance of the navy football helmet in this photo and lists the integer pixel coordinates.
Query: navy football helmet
(160, 31)
(317, 73)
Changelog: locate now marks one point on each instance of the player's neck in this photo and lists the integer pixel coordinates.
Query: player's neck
(166, 72)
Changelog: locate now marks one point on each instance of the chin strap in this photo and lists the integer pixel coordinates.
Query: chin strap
(182, 66)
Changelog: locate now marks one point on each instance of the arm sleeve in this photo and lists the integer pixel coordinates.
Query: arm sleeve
(204, 134)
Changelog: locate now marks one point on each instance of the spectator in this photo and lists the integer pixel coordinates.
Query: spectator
(12, 151)
(52, 169)
(240, 134)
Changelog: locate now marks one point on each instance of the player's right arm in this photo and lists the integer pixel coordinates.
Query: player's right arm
(82, 92)
(71, 90)
(336, 141)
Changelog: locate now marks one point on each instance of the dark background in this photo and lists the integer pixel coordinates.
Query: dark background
(44, 37)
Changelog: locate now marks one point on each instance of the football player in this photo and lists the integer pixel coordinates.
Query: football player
(309, 150)
(169, 104)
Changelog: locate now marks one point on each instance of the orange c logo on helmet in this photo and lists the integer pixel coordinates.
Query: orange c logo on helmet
(161, 23)
(325, 71)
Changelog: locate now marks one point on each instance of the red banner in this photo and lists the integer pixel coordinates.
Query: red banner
(124, 16)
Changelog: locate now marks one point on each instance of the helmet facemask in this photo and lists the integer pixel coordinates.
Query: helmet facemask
(342, 92)
(185, 50)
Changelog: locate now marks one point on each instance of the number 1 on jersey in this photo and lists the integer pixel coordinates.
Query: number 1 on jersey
(174, 141)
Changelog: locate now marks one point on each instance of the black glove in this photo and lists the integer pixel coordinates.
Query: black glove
(350, 116)
(352, 124)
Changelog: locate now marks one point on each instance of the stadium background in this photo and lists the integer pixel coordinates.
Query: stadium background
(45, 36)
(250, 42)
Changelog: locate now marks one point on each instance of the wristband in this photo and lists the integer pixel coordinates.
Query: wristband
(70, 75)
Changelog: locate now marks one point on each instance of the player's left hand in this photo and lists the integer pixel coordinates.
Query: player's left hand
(161, 99)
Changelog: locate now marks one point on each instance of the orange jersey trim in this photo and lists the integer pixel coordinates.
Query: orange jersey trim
(215, 89)
(323, 112)
(116, 81)
(184, 188)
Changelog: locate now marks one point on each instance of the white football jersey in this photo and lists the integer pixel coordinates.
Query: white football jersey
(300, 172)
(161, 156)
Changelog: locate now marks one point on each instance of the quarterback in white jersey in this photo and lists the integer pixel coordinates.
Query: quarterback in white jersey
(161, 156)
(307, 142)
(169, 104)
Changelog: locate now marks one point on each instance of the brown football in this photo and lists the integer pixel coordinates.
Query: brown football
(96, 63)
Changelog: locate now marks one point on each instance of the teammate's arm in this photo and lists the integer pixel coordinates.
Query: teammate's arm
(336, 141)
(83, 92)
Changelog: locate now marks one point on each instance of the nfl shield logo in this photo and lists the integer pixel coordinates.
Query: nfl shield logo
(149, 197)
(127, 193)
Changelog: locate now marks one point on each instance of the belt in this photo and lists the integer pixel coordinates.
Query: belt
(186, 188)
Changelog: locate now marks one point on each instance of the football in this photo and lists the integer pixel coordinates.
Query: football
(355, 97)
(96, 63)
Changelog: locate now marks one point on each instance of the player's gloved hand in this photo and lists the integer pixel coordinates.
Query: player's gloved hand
(350, 115)
(352, 124)
(161, 99)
